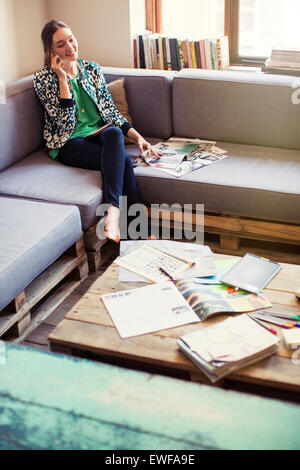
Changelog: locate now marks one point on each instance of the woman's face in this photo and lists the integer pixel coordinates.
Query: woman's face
(65, 44)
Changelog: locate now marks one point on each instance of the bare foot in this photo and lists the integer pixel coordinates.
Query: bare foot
(152, 237)
(111, 228)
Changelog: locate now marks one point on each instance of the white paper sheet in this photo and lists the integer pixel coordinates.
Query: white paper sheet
(199, 254)
(148, 309)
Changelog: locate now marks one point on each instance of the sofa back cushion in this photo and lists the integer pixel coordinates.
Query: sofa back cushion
(149, 98)
(241, 107)
(21, 117)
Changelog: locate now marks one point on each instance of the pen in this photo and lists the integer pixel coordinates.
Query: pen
(166, 273)
(273, 320)
(284, 315)
(262, 324)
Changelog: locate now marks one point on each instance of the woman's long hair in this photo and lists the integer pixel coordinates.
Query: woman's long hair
(47, 34)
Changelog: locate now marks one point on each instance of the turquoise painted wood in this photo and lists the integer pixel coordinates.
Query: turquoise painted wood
(51, 401)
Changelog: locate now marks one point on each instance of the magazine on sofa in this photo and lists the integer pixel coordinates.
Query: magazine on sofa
(181, 156)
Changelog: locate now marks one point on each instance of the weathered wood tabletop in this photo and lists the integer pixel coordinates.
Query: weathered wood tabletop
(52, 401)
(88, 327)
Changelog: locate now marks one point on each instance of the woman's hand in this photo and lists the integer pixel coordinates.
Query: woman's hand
(143, 145)
(57, 65)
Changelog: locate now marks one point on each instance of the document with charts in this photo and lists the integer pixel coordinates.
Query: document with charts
(200, 255)
(147, 309)
(154, 264)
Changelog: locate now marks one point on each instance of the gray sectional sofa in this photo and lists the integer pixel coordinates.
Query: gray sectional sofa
(250, 115)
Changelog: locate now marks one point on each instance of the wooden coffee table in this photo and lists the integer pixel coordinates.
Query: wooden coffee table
(88, 329)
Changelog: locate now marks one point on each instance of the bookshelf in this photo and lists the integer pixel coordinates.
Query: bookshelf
(157, 51)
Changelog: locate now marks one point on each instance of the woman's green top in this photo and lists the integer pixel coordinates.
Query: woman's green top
(88, 117)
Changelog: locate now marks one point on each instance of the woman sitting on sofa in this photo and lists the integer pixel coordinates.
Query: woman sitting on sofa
(77, 105)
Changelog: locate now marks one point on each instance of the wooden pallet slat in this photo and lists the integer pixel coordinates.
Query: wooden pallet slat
(231, 229)
(14, 323)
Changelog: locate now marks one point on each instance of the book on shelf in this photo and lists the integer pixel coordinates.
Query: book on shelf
(198, 55)
(157, 51)
(165, 53)
(231, 344)
(185, 57)
(174, 54)
(193, 54)
(202, 53)
(189, 54)
(207, 49)
(223, 53)
(180, 54)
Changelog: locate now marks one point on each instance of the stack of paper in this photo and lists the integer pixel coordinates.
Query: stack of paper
(229, 345)
(284, 57)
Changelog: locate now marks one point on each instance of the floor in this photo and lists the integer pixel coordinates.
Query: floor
(38, 338)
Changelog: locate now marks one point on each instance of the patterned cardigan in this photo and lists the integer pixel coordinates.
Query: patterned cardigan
(61, 114)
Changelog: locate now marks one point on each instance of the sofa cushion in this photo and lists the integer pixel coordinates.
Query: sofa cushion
(149, 96)
(39, 177)
(246, 108)
(253, 181)
(118, 94)
(21, 120)
(32, 236)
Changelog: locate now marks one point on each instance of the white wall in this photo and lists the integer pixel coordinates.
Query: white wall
(102, 28)
(21, 22)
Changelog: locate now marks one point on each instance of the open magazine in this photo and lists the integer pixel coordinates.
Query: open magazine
(181, 156)
(207, 300)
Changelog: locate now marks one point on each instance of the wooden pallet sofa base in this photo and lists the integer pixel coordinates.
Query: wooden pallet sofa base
(236, 234)
(16, 317)
(98, 251)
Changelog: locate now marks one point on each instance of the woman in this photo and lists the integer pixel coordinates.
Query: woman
(77, 105)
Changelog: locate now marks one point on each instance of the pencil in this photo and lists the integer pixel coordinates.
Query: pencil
(275, 321)
(166, 273)
(262, 324)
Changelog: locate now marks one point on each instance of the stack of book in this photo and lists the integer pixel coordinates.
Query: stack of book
(283, 61)
(156, 51)
(228, 345)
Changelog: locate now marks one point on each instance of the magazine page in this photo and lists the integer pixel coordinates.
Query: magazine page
(147, 309)
(172, 154)
(207, 300)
